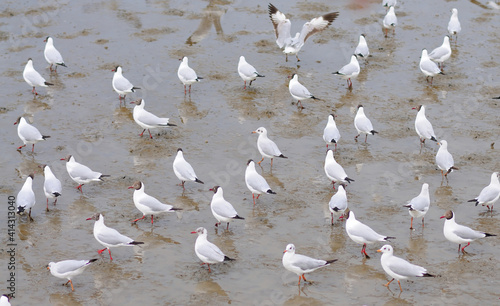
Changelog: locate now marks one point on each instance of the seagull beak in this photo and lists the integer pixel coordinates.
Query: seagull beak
(193, 232)
(47, 267)
(413, 108)
(254, 132)
(442, 217)
(284, 251)
(130, 187)
(379, 250)
(88, 219)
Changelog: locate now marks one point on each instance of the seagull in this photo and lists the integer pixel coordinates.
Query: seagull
(146, 119)
(423, 127)
(109, 237)
(349, 71)
(419, 205)
(52, 186)
(4, 300)
(52, 56)
(428, 67)
(68, 269)
(26, 197)
(442, 53)
(390, 21)
(389, 3)
(266, 146)
(81, 173)
(338, 203)
(282, 27)
(222, 210)
(206, 251)
(454, 25)
(398, 268)
(298, 91)
(334, 170)
(361, 233)
(301, 264)
(363, 124)
(183, 169)
(444, 160)
(362, 48)
(147, 204)
(187, 75)
(28, 133)
(256, 183)
(490, 194)
(247, 72)
(331, 133)
(120, 84)
(33, 78)
(458, 233)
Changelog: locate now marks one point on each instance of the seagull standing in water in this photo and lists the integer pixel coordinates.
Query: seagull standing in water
(363, 124)
(349, 71)
(247, 72)
(298, 91)
(490, 194)
(187, 75)
(454, 24)
(206, 251)
(120, 84)
(52, 186)
(282, 26)
(256, 183)
(147, 120)
(419, 205)
(52, 56)
(266, 146)
(183, 170)
(428, 67)
(28, 133)
(423, 127)
(68, 269)
(331, 133)
(33, 78)
(222, 210)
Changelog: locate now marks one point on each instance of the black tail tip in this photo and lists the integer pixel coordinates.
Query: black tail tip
(174, 208)
(238, 217)
(387, 238)
(349, 180)
(45, 137)
(428, 275)
(198, 181)
(92, 260)
(136, 242)
(282, 156)
(373, 132)
(433, 139)
(331, 261)
(48, 84)
(489, 235)
(227, 258)
(270, 192)
(20, 209)
(62, 64)
(314, 98)
(171, 124)
(56, 194)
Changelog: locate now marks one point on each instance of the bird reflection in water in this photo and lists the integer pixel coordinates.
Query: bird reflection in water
(210, 15)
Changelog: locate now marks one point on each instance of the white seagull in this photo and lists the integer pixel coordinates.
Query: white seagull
(256, 183)
(349, 71)
(33, 78)
(428, 67)
(298, 91)
(362, 48)
(4, 300)
(109, 237)
(490, 194)
(187, 75)
(390, 21)
(81, 174)
(52, 56)
(266, 146)
(389, 3)
(338, 203)
(301, 264)
(442, 53)
(398, 268)
(331, 133)
(28, 133)
(25, 199)
(68, 269)
(444, 159)
(334, 170)
(147, 120)
(363, 124)
(361, 233)
(147, 204)
(282, 27)
(206, 251)
(183, 170)
(120, 84)
(222, 210)
(454, 25)
(419, 205)
(52, 185)
(247, 72)
(423, 127)
(458, 233)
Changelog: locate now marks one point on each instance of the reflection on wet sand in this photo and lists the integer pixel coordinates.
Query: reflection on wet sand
(210, 15)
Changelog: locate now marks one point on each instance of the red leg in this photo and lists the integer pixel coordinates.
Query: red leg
(411, 223)
(245, 87)
(227, 228)
(100, 251)
(71, 283)
(304, 277)
(253, 197)
(463, 251)
(261, 160)
(109, 251)
(400, 286)
(47, 204)
(209, 267)
(335, 147)
(189, 88)
(332, 218)
(333, 185)
(271, 162)
(387, 285)
(21, 147)
(79, 187)
(33, 148)
(363, 251)
(139, 219)
(151, 137)
(152, 219)
(366, 137)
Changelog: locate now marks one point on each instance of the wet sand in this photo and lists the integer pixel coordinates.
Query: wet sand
(83, 115)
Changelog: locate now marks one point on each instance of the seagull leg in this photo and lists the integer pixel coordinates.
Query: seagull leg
(459, 245)
(47, 204)
(152, 219)
(55, 202)
(304, 277)
(271, 162)
(261, 160)
(109, 251)
(286, 59)
(189, 88)
(463, 251)
(227, 228)
(332, 218)
(151, 137)
(422, 221)
(79, 187)
(363, 251)
(245, 87)
(300, 103)
(366, 137)
(31, 219)
(411, 223)
(185, 92)
(34, 91)
(250, 84)
(387, 285)
(71, 283)
(21, 147)
(356, 138)
(182, 184)
(298, 60)
(209, 267)
(400, 286)
(253, 197)
(142, 132)
(138, 219)
(100, 251)
(386, 30)
(333, 185)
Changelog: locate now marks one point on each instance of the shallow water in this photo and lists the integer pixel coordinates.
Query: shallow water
(83, 116)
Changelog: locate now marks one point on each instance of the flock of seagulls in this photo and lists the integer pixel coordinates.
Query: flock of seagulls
(431, 65)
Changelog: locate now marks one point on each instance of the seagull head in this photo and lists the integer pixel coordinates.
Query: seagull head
(386, 249)
(137, 185)
(448, 215)
(290, 248)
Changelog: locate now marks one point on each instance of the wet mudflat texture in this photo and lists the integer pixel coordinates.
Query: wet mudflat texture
(83, 116)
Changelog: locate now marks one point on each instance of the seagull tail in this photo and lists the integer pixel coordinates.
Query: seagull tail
(136, 243)
(270, 192)
(330, 261)
(474, 200)
(91, 261)
(259, 75)
(198, 79)
(373, 132)
(175, 208)
(349, 180)
(45, 137)
(333, 141)
(442, 73)
(388, 237)
(335, 209)
(314, 98)
(238, 217)
(198, 181)
(48, 84)
(62, 64)
(282, 156)
(433, 138)
(56, 194)
(227, 258)
(20, 209)
(104, 175)
(496, 97)
(489, 235)
(428, 275)
(134, 88)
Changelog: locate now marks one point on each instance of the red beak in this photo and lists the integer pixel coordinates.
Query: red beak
(193, 232)
(130, 187)
(442, 217)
